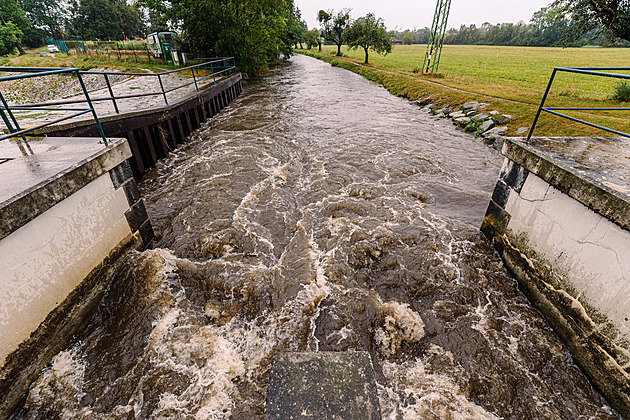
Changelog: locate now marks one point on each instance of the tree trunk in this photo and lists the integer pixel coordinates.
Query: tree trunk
(366, 56)
(18, 45)
(338, 50)
(320, 45)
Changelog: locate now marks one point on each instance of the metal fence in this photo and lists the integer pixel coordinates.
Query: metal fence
(136, 50)
(592, 71)
(6, 111)
(206, 69)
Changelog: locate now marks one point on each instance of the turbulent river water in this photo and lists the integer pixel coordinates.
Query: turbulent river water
(317, 212)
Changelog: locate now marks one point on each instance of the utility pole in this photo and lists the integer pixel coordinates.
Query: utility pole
(436, 40)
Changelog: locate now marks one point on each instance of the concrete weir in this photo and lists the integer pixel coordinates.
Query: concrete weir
(562, 225)
(153, 133)
(68, 211)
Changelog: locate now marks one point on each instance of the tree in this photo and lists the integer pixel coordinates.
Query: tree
(105, 19)
(369, 33)
(612, 15)
(333, 26)
(8, 34)
(407, 37)
(295, 30)
(47, 16)
(312, 38)
(13, 23)
(253, 32)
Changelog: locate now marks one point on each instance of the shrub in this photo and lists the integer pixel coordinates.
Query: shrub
(622, 92)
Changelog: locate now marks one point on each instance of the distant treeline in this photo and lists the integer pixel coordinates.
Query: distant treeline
(547, 28)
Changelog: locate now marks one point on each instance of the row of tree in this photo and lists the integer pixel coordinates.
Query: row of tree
(257, 32)
(549, 27)
(29, 21)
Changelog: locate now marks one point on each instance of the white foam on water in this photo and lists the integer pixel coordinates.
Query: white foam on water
(411, 393)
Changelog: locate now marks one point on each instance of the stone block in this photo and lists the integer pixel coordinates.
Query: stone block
(322, 385)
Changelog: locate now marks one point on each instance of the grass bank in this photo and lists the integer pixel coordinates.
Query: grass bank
(511, 79)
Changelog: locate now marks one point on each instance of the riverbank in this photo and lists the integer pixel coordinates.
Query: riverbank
(509, 79)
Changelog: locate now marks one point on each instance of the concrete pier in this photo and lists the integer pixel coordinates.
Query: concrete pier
(560, 218)
(69, 208)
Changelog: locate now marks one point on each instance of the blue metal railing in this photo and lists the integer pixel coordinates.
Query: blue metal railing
(592, 71)
(217, 66)
(11, 122)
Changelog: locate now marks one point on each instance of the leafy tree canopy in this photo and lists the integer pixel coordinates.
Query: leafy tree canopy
(105, 19)
(46, 15)
(332, 26)
(613, 15)
(253, 32)
(294, 32)
(313, 38)
(13, 22)
(369, 33)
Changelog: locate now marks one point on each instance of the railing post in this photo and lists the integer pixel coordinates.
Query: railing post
(162, 87)
(89, 101)
(542, 104)
(192, 70)
(111, 93)
(214, 76)
(9, 126)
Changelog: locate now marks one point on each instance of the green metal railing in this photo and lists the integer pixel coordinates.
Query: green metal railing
(217, 67)
(592, 71)
(6, 111)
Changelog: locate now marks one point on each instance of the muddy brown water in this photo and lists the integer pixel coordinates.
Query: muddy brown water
(317, 212)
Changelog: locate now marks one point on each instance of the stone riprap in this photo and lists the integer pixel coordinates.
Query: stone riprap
(322, 385)
(472, 119)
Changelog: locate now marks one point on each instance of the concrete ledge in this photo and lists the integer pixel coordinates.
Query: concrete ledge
(58, 168)
(322, 385)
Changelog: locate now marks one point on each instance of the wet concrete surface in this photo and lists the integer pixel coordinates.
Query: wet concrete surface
(44, 159)
(604, 159)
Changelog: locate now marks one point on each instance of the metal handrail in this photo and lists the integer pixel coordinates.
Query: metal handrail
(218, 66)
(11, 122)
(592, 71)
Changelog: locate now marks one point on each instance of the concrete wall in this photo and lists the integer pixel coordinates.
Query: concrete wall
(43, 261)
(566, 239)
(71, 210)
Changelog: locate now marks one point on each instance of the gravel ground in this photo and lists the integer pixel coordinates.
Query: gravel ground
(53, 87)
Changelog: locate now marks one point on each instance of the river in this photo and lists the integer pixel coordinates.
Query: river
(317, 212)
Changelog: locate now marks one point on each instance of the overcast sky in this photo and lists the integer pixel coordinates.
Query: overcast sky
(407, 14)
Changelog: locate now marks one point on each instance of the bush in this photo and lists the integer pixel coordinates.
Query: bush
(622, 92)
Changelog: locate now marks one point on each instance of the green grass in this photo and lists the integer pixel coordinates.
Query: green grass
(499, 75)
(125, 63)
(622, 92)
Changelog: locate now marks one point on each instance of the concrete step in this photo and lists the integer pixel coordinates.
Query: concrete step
(322, 385)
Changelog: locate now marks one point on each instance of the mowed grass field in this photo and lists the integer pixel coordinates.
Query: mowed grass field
(511, 79)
